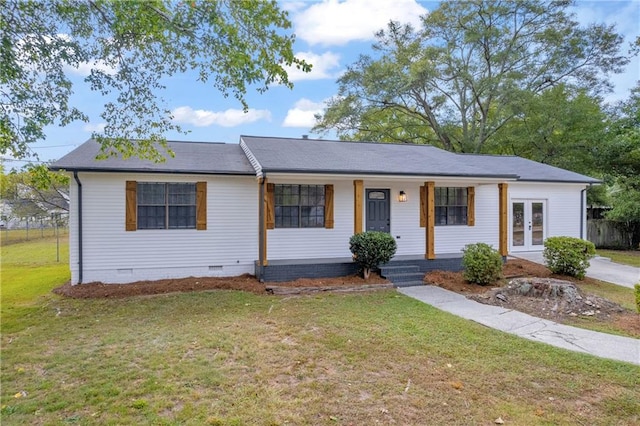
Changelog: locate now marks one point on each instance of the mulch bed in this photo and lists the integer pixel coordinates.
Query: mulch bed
(245, 282)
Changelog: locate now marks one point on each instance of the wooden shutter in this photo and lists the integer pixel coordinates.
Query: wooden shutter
(358, 195)
(471, 206)
(429, 188)
(423, 206)
(328, 206)
(270, 211)
(201, 206)
(131, 206)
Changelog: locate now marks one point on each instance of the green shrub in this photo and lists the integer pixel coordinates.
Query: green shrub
(637, 292)
(482, 264)
(568, 255)
(372, 248)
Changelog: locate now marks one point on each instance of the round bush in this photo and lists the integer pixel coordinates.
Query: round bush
(482, 264)
(372, 248)
(568, 255)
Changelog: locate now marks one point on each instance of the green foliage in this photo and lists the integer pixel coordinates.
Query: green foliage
(568, 255)
(619, 160)
(467, 70)
(131, 46)
(34, 192)
(372, 248)
(482, 264)
(561, 126)
(636, 289)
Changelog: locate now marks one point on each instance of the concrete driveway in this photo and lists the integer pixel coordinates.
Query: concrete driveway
(601, 269)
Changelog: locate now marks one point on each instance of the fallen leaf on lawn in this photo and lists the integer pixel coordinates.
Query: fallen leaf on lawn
(457, 385)
(539, 412)
(20, 394)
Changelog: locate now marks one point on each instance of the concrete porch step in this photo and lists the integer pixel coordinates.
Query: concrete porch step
(398, 269)
(408, 284)
(405, 277)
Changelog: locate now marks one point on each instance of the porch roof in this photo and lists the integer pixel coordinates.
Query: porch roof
(288, 155)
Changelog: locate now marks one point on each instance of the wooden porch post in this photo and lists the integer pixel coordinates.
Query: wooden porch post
(503, 212)
(430, 251)
(358, 191)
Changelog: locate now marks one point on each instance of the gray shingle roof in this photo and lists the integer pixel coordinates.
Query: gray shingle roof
(190, 157)
(527, 170)
(324, 156)
(288, 155)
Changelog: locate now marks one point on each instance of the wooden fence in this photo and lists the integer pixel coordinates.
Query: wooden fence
(604, 233)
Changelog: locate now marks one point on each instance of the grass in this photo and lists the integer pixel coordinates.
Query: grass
(14, 236)
(626, 257)
(29, 270)
(233, 358)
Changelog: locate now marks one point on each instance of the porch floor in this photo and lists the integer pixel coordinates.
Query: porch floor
(396, 271)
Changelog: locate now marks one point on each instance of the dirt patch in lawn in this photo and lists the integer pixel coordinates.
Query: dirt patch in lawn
(588, 307)
(243, 283)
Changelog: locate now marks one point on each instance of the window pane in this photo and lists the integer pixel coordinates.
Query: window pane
(182, 217)
(182, 194)
(151, 193)
(151, 217)
(441, 215)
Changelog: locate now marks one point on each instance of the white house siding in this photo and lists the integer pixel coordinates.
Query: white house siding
(311, 243)
(452, 239)
(227, 247)
(562, 215)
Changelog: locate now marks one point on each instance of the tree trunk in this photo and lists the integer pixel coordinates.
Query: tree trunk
(366, 272)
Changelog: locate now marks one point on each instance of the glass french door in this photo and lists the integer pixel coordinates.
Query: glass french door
(527, 225)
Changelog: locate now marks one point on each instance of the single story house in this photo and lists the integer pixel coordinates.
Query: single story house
(283, 208)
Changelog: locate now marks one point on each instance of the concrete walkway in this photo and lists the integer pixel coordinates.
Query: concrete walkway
(576, 339)
(601, 269)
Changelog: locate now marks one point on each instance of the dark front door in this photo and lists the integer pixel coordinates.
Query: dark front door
(378, 210)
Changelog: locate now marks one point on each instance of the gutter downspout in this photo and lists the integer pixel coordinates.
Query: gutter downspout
(75, 176)
(583, 202)
(261, 227)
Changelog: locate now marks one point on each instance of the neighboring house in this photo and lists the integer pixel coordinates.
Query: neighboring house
(285, 208)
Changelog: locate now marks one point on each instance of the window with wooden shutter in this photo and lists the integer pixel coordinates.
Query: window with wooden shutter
(165, 205)
(301, 206)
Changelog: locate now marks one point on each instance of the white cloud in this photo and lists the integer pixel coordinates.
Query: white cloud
(322, 66)
(89, 127)
(335, 22)
(84, 68)
(228, 118)
(302, 114)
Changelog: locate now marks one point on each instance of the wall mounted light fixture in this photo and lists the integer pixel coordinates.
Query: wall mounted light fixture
(402, 197)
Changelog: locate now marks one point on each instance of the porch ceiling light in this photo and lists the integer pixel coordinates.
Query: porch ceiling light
(402, 197)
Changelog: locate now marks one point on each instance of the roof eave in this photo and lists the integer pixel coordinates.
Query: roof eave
(379, 173)
(158, 171)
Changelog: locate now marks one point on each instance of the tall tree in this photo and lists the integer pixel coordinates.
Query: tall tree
(130, 46)
(619, 160)
(560, 126)
(461, 72)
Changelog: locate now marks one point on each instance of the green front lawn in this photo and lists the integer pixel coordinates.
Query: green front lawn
(233, 358)
(626, 257)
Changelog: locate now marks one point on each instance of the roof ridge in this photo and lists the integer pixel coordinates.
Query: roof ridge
(342, 141)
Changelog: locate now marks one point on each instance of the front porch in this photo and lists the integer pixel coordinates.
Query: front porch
(402, 271)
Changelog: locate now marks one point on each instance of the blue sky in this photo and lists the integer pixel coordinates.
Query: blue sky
(330, 34)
